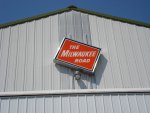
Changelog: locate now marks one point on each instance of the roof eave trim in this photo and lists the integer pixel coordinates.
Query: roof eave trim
(138, 23)
(13, 23)
(124, 20)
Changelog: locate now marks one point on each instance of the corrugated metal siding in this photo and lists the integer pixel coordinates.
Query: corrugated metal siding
(27, 51)
(125, 47)
(93, 103)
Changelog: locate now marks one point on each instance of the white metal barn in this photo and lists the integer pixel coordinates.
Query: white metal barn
(30, 82)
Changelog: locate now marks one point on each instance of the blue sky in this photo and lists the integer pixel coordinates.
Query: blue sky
(11, 10)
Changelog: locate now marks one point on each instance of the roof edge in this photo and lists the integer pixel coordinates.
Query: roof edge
(28, 19)
(72, 7)
(125, 20)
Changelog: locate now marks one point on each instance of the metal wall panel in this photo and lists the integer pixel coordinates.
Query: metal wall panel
(83, 103)
(4, 56)
(29, 56)
(130, 60)
(11, 61)
(22, 106)
(20, 58)
(27, 51)
(47, 54)
(64, 72)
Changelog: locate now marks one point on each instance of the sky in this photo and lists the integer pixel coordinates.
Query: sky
(11, 10)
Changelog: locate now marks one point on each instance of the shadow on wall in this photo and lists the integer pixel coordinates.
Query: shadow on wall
(101, 65)
(93, 79)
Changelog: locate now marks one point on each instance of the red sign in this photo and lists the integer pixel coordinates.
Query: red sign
(77, 55)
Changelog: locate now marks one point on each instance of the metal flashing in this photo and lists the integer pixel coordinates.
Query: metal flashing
(72, 92)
